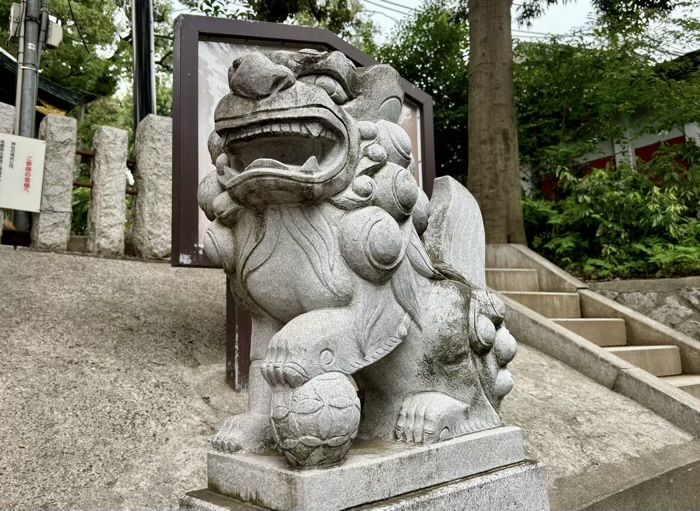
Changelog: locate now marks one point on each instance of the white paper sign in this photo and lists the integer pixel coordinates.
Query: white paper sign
(21, 172)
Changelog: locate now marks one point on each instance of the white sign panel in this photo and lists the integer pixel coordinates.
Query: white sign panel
(21, 172)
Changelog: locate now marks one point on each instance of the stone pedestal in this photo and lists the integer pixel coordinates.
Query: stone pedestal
(151, 231)
(486, 470)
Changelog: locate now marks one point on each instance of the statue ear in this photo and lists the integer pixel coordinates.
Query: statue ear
(378, 93)
(390, 110)
(215, 146)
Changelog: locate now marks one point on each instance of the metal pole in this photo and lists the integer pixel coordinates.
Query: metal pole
(20, 59)
(30, 79)
(144, 64)
(30, 75)
(43, 28)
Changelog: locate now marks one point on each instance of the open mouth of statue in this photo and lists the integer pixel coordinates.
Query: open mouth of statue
(308, 146)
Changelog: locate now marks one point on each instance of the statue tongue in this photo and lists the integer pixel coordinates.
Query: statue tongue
(309, 167)
(267, 163)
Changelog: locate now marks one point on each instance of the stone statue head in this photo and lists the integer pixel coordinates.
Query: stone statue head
(288, 130)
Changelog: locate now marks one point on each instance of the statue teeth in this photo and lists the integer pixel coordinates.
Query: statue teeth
(310, 166)
(314, 128)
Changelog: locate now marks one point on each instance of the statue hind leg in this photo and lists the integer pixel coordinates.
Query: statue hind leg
(448, 378)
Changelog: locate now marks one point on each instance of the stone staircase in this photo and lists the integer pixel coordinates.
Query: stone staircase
(564, 308)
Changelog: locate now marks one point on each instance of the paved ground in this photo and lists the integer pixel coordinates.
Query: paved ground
(573, 424)
(111, 383)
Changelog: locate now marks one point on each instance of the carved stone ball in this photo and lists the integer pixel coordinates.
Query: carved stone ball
(214, 145)
(315, 423)
(396, 142)
(207, 192)
(372, 243)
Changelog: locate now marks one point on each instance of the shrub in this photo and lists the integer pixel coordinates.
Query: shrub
(624, 222)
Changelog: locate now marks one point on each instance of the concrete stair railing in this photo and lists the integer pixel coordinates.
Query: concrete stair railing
(549, 293)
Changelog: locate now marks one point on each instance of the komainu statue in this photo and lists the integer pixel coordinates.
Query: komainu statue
(370, 312)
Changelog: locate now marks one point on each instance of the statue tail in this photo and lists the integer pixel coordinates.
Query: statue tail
(455, 236)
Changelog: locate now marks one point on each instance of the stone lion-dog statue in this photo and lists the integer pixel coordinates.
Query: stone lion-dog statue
(370, 312)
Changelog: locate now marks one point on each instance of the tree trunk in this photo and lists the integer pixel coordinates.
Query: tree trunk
(494, 168)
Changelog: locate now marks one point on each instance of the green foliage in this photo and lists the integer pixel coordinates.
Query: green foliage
(106, 27)
(581, 94)
(70, 65)
(616, 14)
(81, 206)
(343, 17)
(108, 111)
(429, 49)
(624, 223)
(576, 93)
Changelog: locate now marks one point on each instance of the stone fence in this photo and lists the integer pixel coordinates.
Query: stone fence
(673, 302)
(151, 226)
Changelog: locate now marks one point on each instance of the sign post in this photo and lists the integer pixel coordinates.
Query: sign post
(21, 172)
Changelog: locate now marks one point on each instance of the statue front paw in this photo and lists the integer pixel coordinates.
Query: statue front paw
(430, 417)
(244, 432)
(279, 368)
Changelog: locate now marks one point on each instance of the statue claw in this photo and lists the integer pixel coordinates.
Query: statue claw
(430, 417)
(278, 369)
(244, 432)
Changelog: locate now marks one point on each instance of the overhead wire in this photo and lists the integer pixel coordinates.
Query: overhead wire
(386, 7)
(80, 33)
(397, 5)
(530, 32)
(396, 20)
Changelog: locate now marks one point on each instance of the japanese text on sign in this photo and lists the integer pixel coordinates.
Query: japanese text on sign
(21, 172)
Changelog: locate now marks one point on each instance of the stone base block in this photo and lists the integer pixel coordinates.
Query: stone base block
(518, 487)
(373, 471)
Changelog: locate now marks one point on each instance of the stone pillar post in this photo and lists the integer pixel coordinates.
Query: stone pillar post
(107, 214)
(7, 121)
(51, 226)
(151, 231)
(7, 118)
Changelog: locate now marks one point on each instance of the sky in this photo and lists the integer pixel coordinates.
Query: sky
(558, 19)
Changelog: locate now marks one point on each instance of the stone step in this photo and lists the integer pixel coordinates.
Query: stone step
(512, 279)
(657, 360)
(601, 331)
(687, 382)
(550, 305)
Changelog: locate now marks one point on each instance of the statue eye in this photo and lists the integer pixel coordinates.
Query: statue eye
(330, 85)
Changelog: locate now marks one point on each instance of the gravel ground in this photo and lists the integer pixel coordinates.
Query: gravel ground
(111, 384)
(111, 381)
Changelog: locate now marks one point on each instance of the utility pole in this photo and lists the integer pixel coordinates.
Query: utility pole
(144, 63)
(29, 67)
